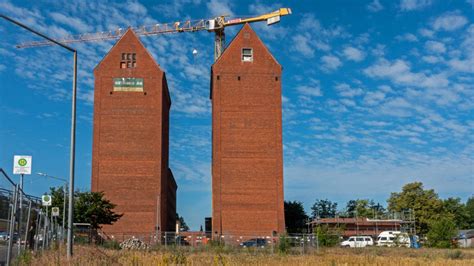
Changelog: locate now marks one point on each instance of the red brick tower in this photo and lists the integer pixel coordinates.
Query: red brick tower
(130, 147)
(247, 155)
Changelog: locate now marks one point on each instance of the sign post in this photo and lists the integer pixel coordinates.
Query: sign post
(46, 200)
(21, 166)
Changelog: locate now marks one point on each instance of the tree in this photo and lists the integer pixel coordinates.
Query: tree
(441, 232)
(455, 209)
(295, 217)
(323, 209)
(327, 237)
(93, 208)
(183, 226)
(425, 204)
(57, 200)
(363, 208)
(470, 212)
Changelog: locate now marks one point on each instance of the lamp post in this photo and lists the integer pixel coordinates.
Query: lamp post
(73, 129)
(64, 198)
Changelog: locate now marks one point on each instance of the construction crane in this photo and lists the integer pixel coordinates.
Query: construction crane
(216, 25)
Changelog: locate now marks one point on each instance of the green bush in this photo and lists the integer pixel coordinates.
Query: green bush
(441, 232)
(112, 244)
(24, 258)
(325, 237)
(283, 244)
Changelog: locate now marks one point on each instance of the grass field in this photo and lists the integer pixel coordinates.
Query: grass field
(86, 255)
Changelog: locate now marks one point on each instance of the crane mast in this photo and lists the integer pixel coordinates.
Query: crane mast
(216, 25)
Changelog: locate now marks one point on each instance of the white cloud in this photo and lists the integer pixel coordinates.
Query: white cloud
(220, 7)
(345, 90)
(136, 8)
(435, 47)
(449, 21)
(426, 32)
(410, 37)
(72, 22)
(354, 54)
(400, 73)
(2, 67)
(302, 44)
(374, 98)
(431, 59)
(330, 62)
(375, 6)
(410, 5)
(377, 123)
(313, 89)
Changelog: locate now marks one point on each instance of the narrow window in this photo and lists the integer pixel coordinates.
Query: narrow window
(247, 55)
(128, 60)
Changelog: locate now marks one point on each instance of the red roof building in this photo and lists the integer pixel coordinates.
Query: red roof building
(360, 226)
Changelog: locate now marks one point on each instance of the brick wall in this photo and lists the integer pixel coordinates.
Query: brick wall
(247, 167)
(130, 145)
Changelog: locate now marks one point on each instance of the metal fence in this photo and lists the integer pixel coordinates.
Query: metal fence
(22, 223)
(293, 243)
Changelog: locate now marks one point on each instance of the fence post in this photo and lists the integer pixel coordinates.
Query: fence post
(12, 226)
(27, 224)
(37, 229)
(44, 230)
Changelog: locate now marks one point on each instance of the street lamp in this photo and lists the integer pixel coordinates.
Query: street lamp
(73, 130)
(64, 197)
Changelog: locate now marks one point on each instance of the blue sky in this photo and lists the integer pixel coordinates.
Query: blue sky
(376, 94)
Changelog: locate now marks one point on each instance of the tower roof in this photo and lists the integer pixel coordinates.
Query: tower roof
(244, 37)
(130, 38)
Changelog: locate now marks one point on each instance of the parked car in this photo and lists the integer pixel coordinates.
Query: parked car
(3, 236)
(393, 239)
(358, 242)
(254, 242)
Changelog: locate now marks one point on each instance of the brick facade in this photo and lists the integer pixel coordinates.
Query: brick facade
(247, 155)
(130, 145)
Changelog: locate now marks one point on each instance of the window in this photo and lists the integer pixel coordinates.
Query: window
(128, 60)
(247, 55)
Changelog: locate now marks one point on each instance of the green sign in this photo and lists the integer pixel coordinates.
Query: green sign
(128, 84)
(22, 162)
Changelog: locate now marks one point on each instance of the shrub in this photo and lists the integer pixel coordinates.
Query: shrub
(326, 238)
(283, 244)
(24, 258)
(441, 232)
(111, 244)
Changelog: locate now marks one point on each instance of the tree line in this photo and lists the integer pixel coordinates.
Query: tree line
(434, 217)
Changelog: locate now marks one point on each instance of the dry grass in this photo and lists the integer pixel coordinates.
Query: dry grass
(331, 256)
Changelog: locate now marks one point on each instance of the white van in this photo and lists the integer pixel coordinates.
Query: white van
(357, 242)
(393, 239)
